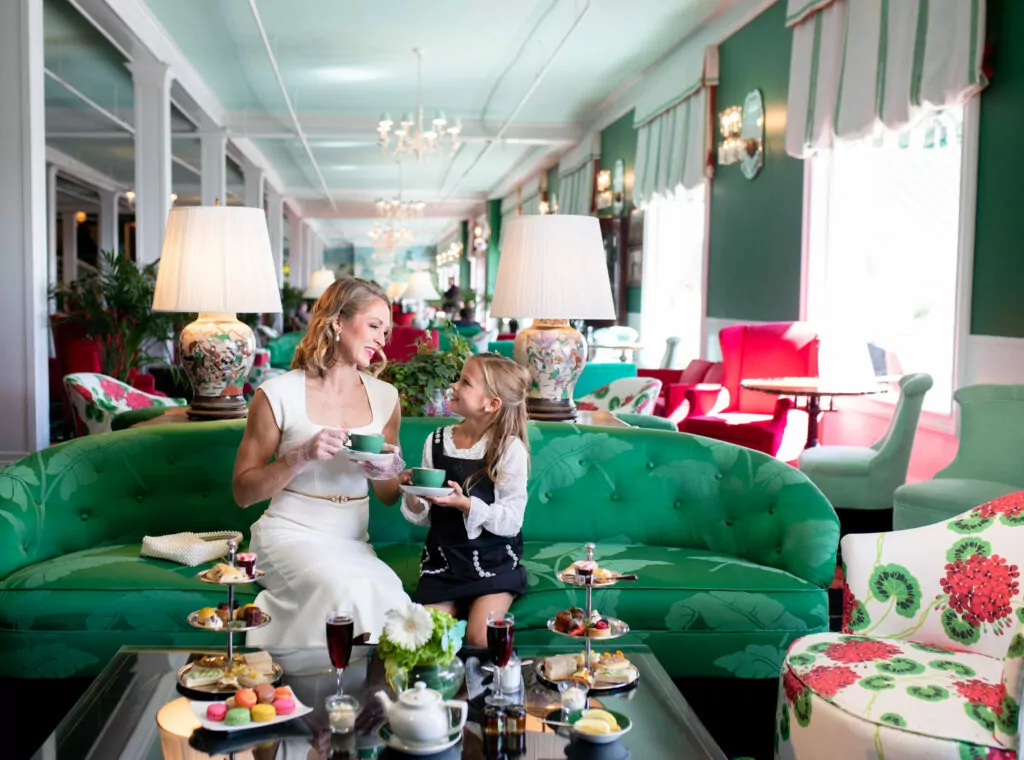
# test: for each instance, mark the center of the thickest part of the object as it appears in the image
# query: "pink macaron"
(284, 706)
(216, 711)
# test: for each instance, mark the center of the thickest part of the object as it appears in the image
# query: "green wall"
(464, 271)
(618, 140)
(493, 251)
(998, 263)
(755, 230)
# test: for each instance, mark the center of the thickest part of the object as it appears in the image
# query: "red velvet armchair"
(699, 374)
(402, 344)
(752, 419)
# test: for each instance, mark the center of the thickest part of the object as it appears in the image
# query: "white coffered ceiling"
(343, 63)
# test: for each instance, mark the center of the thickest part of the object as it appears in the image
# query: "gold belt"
(335, 499)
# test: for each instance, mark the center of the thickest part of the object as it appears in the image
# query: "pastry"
(263, 713)
(559, 667)
(284, 705)
(600, 629)
(204, 615)
(264, 693)
(228, 681)
(245, 698)
(240, 612)
(214, 661)
(584, 567)
(216, 711)
(202, 676)
(261, 661)
(224, 573)
(570, 621)
(614, 669)
(239, 716)
(249, 676)
(214, 623)
(253, 615)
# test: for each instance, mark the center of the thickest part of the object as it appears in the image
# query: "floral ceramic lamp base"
(555, 353)
(217, 352)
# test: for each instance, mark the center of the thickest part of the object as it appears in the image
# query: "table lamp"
(553, 269)
(216, 261)
(420, 289)
(319, 282)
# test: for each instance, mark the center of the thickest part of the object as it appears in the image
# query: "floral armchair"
(637, 395)
(96, 399)
(930, 660)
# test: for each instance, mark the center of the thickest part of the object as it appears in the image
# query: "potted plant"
(420, 644)
(422, 381)
(115, 305)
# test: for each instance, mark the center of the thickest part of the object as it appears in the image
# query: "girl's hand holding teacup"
(455, 499)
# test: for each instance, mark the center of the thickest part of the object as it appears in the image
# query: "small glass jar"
(341, 713)
(515, 730)
(572, 695)
(493, 728)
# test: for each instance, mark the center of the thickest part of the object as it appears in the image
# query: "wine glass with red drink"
(500, 632)
(340, 631)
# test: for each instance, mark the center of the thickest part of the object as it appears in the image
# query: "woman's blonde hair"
(346, 298)
(509, 382)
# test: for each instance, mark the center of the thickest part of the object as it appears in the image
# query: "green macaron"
(237, 716)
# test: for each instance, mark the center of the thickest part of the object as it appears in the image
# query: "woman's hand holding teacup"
(320, 448)
(387, 469)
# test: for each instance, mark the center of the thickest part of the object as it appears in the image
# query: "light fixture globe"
(216, 261)
(552, 268)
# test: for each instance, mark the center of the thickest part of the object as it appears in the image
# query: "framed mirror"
(752, 134)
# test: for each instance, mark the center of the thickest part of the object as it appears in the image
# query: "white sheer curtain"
(673, 275)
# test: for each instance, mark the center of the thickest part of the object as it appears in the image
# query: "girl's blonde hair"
(509, 382)
(346, 297)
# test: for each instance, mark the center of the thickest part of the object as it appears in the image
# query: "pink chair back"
(402, 344)
(773, 349)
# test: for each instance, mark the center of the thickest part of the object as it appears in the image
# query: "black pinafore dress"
(453, 566)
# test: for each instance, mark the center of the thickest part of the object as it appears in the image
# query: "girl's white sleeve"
(419, 518)
(505, 516)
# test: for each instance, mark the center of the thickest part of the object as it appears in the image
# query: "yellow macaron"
(263, 713)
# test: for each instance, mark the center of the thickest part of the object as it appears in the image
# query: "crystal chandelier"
(411, 135)
(389, 237)
(396, 208)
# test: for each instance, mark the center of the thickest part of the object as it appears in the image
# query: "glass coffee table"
(133, 711)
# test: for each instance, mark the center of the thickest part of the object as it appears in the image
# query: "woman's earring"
(337, 337)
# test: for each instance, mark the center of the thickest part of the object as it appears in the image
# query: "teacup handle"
(462, 707)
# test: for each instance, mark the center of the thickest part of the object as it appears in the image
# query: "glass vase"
(446, 679)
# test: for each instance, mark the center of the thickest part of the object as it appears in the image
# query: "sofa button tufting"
(84, 516)
(771, 510)
(650, 465)
(170, 459)
(99, 470)
(778, 550)
(138, 499)
(547, 497)
(614, 496)
(206, 494)
(718, 476)
(677, 504)
(728, 523)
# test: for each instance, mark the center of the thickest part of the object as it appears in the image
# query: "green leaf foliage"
(968, 547)
(959, 630)
(894, 581)
(428, 372)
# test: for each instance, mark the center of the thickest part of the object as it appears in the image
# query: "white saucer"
(199, 708)
(395, 743)
(427, 492)
(365, 456)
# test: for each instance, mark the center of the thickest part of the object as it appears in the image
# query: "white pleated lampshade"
(395, 290)
(320, 280)
(216, 259)
(421, 288)
(553, 267)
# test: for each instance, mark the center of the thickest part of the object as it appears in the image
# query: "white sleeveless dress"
(314, 551)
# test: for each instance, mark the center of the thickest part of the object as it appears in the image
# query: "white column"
(51, 229)
(152, 80)
(69, 246)
(294, 246)
(253, 184)
(24, 393)
(213, 165)
(110, 230)
(275, 226)
(300, 256)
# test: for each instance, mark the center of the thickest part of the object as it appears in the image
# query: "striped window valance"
(531, 193)
(576, 177)
(858, 66)
(673, 144)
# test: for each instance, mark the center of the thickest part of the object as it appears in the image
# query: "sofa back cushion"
(282, 349)
(771, 349)
(586, 484)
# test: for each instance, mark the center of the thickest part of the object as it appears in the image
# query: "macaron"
(263, 713)
(283, 692)
(264, 693)
(284, 705)
(237, 717)
(216, 711)
(245, 698)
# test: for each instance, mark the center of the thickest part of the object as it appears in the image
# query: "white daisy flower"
(409, 626)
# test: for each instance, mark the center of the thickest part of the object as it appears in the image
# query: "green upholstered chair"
(283, 349)
(861, 479)
(600, 374)
(502, 347)
(647, 421)
(987, 464)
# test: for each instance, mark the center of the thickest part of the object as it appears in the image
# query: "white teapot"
(421, 716)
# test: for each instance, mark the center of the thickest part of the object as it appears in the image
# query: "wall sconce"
(544, 207)
(730, 124)
(129, 195)
(80, 217)
(604, 180)
(604, 197)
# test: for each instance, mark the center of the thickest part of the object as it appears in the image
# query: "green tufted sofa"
(734, 549)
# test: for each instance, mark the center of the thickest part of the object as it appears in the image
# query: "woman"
(312, 541)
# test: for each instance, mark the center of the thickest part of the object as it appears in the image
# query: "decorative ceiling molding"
(75, 168)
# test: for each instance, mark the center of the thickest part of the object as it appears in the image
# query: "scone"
(559, 667)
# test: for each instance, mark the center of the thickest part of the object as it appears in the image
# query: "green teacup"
(366, 442)
(427, 478)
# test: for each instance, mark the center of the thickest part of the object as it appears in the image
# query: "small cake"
(216, 711)
(284, 705)
(245, 698)
(214, 623)
(263, 713)
(238, 716)
(204, 615)
(240, 612)
(600, 629)
(283, 692)
(252, 615)
(264, 693)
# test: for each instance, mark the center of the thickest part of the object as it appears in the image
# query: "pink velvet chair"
(402, 344)
(671, 403)
(758, 420)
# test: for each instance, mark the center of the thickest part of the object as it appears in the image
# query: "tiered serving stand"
(617, 627)
(193, 619)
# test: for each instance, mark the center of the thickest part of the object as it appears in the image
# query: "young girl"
(470, 563)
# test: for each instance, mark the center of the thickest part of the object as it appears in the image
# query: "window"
(883, 251)
(672, 302)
